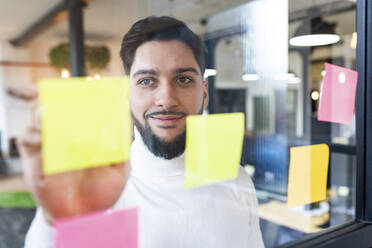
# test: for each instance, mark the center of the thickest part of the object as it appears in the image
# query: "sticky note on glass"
(84, 123)
(308, 172)
(111, 228)
(213, 148)
(337, 97)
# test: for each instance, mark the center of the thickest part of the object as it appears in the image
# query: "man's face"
(166, 85)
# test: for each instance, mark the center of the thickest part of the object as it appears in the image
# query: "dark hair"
(160, 29)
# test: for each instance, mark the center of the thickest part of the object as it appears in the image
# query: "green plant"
(60, 56)
(96, 57)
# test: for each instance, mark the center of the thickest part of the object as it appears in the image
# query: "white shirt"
(221, 215)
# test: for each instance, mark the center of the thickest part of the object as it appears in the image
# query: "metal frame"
(40, 25)
(364, 139)
(76, 29)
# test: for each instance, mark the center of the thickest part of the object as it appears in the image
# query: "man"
(165, 62)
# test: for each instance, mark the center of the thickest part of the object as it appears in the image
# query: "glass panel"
(281, 104)
(342, 188)
(259, 71)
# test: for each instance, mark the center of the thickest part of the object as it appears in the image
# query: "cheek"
(138, 105)
(193, 101)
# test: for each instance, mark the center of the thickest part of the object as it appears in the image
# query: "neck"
(145, 163)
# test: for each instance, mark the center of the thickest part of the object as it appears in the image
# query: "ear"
(205, 94)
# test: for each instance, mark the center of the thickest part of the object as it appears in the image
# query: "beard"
(158, 146)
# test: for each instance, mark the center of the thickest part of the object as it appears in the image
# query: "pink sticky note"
(111, 228)
(337, 97)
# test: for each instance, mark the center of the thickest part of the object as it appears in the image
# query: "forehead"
(163, 56)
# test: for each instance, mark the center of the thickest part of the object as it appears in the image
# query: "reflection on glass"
(280, 84)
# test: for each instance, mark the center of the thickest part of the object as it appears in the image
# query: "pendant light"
(315, 32)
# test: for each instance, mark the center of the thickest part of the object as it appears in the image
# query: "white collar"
(145, 163)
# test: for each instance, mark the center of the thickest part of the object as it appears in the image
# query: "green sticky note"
(213, 148)
(84, 123)
(308, 170)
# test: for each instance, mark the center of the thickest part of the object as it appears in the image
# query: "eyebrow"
(145, 72)
(187, 69)
(176, 71)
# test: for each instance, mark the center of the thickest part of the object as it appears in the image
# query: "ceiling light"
(250, 77)
(289, 77)
(315, 32)
(315, 95)
(210, 72)
(343, 191)
(314, 40)
(65, 73)
(295, 80)
(284, 76)
(353, 42)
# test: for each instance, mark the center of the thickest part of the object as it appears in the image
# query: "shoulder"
(243, 189)
(244, 181)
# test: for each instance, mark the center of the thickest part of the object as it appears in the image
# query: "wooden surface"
(277, 212)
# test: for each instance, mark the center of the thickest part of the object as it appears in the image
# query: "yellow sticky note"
(308, 172)
(213, 148)
(84, 123)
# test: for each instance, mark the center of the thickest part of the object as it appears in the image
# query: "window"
(282, 86)
(260, 71)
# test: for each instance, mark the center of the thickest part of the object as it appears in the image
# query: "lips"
(167, 119)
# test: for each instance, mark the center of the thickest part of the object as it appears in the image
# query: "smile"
(167, 120)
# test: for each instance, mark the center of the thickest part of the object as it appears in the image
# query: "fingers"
(36, 115)
(30, 141)
(29, 145)
(123, 168)
(119, 165)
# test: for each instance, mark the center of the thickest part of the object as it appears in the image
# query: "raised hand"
(70, 193)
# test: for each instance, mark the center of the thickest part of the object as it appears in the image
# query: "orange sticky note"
(337, 99)
(84, 123)
(213, 148)
(308, 170)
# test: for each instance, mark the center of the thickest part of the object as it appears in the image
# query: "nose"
(166, 96)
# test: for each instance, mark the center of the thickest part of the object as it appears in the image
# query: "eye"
(183, 80)
(146, 82)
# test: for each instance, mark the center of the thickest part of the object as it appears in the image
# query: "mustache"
(180, 114)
